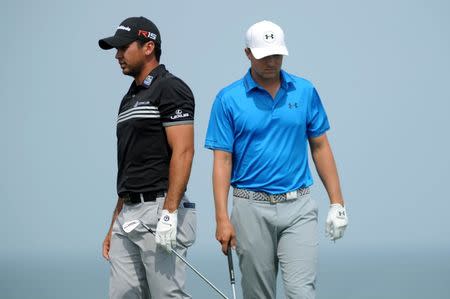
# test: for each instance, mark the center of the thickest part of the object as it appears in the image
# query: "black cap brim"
(114, 42)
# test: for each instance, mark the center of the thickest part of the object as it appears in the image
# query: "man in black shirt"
(155, 147)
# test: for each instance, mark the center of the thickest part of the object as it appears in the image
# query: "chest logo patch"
(293, 105)
(147, 81)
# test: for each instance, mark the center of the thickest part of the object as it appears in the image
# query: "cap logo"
(121, 27)
(147, 34)
(269, 37)
(143, 33)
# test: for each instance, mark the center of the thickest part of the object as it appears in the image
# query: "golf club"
(129, 226)
(231, 270)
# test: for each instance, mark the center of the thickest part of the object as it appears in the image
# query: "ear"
(248, 52)
(149, 48)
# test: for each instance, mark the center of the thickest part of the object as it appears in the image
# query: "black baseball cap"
(131, 29)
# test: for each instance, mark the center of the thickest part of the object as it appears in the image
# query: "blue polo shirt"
(267, 137)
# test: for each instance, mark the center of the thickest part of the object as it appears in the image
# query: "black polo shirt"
(143, 154)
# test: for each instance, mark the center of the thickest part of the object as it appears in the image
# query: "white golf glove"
(336, 222)
(166, 230)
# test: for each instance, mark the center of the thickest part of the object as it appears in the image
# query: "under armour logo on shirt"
(293, 105)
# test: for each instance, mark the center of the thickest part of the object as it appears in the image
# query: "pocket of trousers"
(315, 205)
(187, 227)
(146, 212)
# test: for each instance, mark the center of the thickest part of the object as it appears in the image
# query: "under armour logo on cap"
(269, 37)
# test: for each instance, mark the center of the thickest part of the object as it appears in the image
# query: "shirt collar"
(286, 80)
(149, 79)
(250, 84)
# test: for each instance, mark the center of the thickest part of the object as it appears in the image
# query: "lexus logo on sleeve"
(179, 114)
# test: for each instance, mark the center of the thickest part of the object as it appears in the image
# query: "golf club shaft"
(189, 265)
(234, 291)
(199, 274)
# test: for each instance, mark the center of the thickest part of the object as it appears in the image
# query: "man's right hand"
(226, 235)
(106, 246)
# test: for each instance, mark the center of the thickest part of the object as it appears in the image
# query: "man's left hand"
(166, 230)
(336, 222)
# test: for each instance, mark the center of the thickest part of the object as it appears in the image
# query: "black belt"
(133, 197)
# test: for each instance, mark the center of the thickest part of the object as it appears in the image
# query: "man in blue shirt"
(259, 129)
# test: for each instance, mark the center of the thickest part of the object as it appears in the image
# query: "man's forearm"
(179, 172)
(116, 213)
(326, 168)
(221, 183)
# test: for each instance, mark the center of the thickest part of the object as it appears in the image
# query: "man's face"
(268, 67)
(131, 58)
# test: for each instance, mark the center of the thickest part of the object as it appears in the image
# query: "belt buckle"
(291, 195)
(277, 198)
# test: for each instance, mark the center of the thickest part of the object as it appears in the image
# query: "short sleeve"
(317, 121)
(219, 135)
(177, 103)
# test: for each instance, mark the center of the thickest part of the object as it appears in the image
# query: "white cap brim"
(259, 53)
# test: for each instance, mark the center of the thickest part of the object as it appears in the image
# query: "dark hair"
(157, 47)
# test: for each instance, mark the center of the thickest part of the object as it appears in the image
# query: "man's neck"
(271, 85)
(145, 71)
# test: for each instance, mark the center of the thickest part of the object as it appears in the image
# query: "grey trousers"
(139, 268)
(271, 235)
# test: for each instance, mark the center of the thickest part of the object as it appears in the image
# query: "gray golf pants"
(139, 268)
(276, 234)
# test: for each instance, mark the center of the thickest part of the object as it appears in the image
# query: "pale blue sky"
(382, 69)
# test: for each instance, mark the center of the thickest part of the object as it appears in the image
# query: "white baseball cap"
(264, 39)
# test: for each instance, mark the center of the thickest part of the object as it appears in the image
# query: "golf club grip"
(230, 264)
